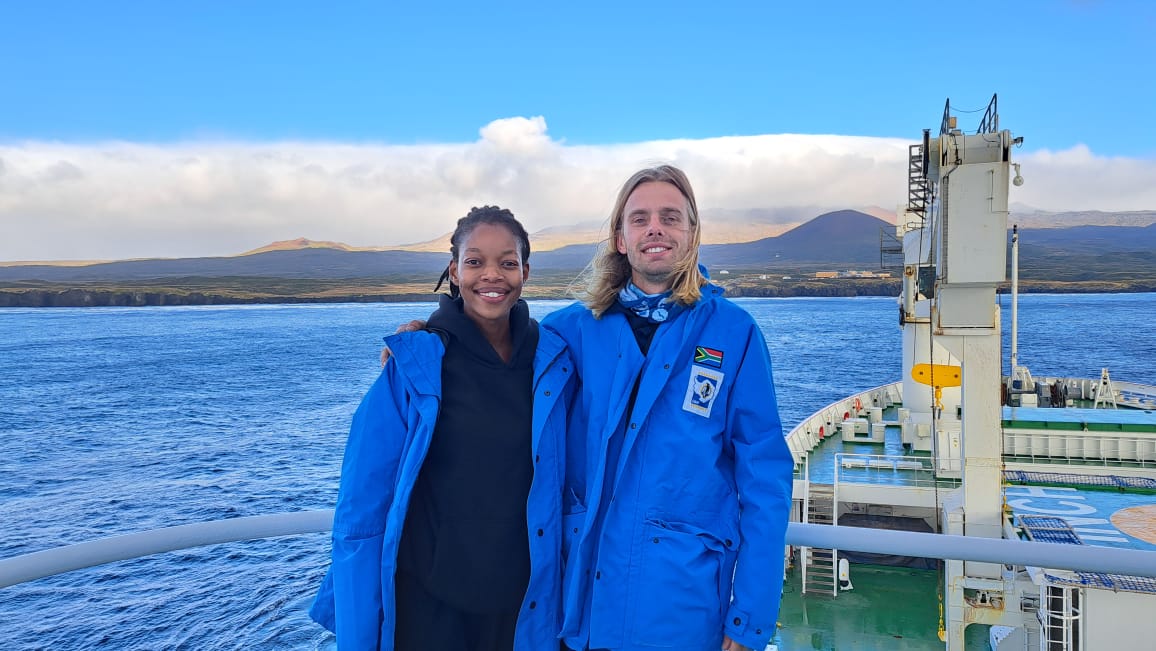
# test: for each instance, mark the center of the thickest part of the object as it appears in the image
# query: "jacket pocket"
(679, 597)
(573, 586)
(572, 524)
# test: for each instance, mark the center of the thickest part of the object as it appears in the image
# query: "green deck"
(822, 459)
(1073, 419)
(855, 621)
(896, 608)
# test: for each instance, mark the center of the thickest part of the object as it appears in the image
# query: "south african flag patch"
(708, 356)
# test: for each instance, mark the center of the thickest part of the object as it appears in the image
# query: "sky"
(173, 129)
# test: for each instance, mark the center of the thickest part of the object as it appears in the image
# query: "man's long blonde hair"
(609, 271)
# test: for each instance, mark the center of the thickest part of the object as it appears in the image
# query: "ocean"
(117, 420)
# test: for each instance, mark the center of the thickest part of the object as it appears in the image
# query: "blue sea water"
(116, 420)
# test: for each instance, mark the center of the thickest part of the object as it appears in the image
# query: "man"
(679, 476)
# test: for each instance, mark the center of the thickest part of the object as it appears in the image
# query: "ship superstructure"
(957, 447)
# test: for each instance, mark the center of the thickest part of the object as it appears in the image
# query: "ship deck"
(890, 463)
(1123, 518)
(890, 608)
(854, 620)
(1101, 500)
(1137, 421)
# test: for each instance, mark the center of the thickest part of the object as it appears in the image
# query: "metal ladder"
(819, 565)
(918, 187)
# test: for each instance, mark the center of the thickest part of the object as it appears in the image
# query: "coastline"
(384, 292)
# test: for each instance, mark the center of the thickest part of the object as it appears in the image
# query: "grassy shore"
(240, 290)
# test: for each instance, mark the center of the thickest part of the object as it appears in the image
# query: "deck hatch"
(1045, 528)
(1115, 582)
(1073, 479)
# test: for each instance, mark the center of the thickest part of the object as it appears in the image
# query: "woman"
(447, 529)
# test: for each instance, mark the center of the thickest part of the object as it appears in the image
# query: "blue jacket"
(682, 540)
(387, 443)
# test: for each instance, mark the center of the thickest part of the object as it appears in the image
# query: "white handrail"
(58, 560)
(1084, 558)
(1128, 562)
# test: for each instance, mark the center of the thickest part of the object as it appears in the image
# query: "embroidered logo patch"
(708, 356)
(701, 391)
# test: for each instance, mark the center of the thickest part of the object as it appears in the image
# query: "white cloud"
(1077, 179)
(119, 200)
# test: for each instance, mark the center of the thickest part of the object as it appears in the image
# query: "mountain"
(888, 216)
(436, 245)
(719, 227)
(1028, 217)
(297, 263)
(1088, 240)
(302, 243)
(575, 256)
(735, 226)
(841, 239)
(554, 238)
(844, 236)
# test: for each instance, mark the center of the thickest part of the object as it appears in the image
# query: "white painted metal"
(1087, 558)
(969, 222)
(804, 550)
(1105, 392)
(955, 321)
(982, 444)
(36, 565)
(1015, 297)
(973, 181)
(1059, 615)
(805, 436)
(918, 399)
(1103, 610)
(835, 525)
(1106, 449)
(58, 560)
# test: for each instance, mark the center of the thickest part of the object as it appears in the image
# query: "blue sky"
(600, 72)
(84, 82)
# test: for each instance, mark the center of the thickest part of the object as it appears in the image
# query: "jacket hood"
(451, 320)
(710, 291)
(417, 361)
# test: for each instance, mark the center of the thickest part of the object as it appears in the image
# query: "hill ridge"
(839, 239)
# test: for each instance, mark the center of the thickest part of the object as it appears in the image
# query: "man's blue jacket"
(387, 444)
(677, 511)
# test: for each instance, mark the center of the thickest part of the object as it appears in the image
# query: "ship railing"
(881, 469)
(1080, 448)
(1131, 394)
(825, 422)
(945, 123)
(990, 121)
(1128, 394)
(1086, 558)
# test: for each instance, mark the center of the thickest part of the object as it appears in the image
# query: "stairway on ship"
(819, 565)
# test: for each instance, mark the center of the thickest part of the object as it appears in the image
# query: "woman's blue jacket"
(387, 443)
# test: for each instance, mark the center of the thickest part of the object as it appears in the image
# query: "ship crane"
(955, 258)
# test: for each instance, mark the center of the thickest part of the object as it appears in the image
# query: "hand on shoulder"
(730, 645)
(412, 326)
